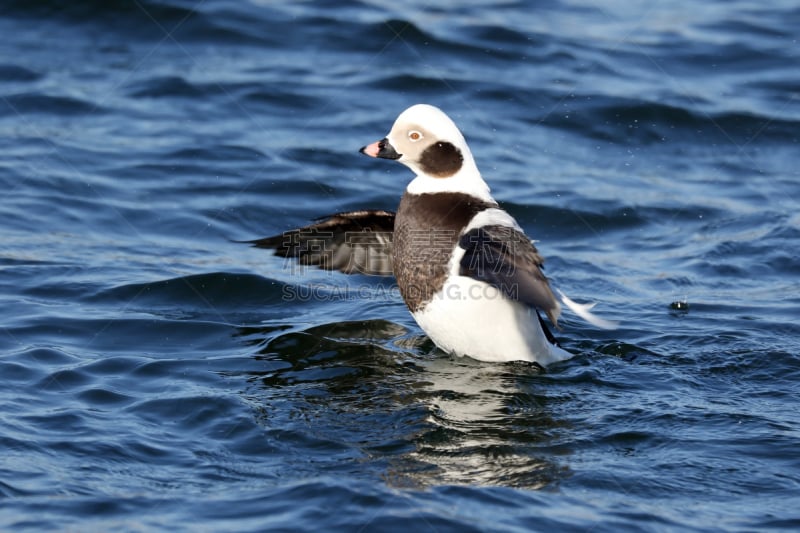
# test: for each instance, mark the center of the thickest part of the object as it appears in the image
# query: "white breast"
(470, 317)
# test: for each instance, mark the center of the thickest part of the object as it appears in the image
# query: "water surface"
(156, 375)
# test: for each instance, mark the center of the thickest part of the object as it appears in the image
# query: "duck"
(470, 277)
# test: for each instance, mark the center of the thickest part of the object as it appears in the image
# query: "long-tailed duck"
(469, 275)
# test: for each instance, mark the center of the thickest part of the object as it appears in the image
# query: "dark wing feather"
(506, 259)
(356, 241)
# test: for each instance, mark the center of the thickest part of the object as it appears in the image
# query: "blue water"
(156, 375)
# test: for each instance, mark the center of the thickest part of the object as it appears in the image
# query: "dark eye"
(414, 135)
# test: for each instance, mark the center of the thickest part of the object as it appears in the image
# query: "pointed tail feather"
(584, 311)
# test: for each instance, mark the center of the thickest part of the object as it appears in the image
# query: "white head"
(425, 140)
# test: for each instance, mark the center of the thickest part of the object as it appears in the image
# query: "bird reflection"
(388, 401)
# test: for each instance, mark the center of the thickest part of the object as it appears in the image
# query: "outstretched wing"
(356, 241)
(505, 258)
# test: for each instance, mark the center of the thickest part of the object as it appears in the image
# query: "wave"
(24, 103)
(16, 73)
(645, 122)
(152, 19)
(223, 290)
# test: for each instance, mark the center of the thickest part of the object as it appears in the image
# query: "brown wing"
(355, 241)
(505, 258)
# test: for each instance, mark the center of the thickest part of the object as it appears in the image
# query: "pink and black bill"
(381, 149)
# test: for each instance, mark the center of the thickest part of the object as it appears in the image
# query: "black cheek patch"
(441, 159)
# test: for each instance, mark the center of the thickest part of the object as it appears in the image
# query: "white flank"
(583, 311)
(492, 217)
(472, 318)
